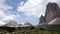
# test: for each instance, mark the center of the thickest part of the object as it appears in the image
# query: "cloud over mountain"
(34, 7)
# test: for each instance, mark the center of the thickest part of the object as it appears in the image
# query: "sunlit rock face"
(52, 12)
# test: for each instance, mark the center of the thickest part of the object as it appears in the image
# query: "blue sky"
(23, 10)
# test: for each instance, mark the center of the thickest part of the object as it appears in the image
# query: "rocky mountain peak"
(52, 7)
(42, 19)
(52, 12)
(12, 23)
(27, 23)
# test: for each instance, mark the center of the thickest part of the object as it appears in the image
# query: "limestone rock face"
(52, 12)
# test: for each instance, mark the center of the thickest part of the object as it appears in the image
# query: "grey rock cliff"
(52, 12)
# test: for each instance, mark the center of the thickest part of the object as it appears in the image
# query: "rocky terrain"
(55, 21)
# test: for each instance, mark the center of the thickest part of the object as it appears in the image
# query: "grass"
(36, 30)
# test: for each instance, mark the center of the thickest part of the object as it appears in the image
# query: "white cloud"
(53, 0)
(6, 17)
(4, 7)
(2, 13)
(22, 3)
(34, 7)
(2, 23)
(2, 1)
(10, 17)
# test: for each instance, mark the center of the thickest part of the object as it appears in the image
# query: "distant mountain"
(12, 23)
(27, 24)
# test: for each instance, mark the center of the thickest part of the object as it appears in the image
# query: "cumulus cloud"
(4, 7)
(34, 7)
(2, 23)
(2, 1)
(10, 17)
(2, 13)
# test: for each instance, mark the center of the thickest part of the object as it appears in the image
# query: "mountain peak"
(52, 7)
(12, 23)
(52, 12)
